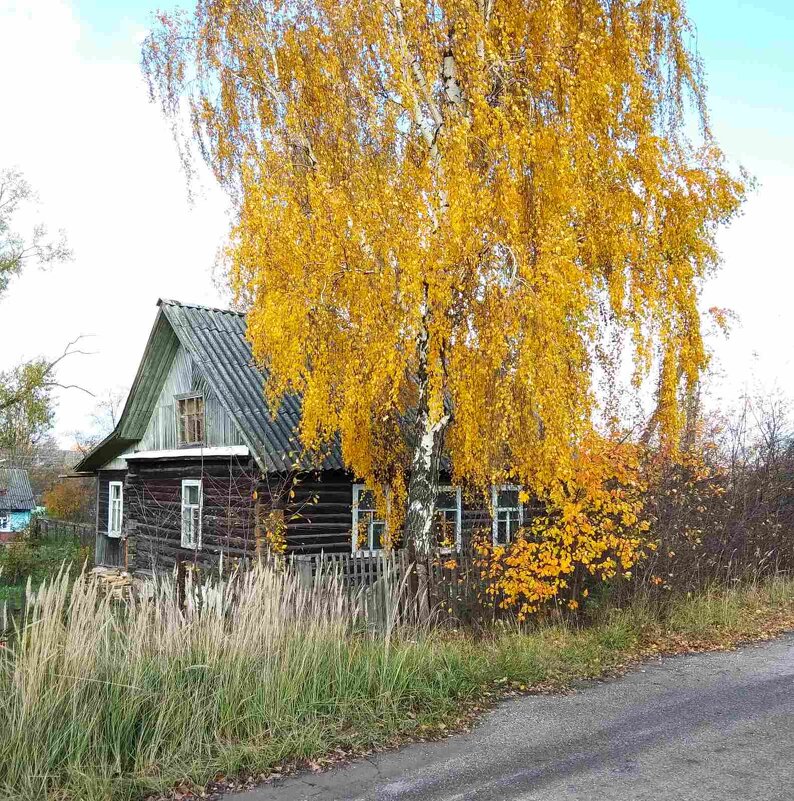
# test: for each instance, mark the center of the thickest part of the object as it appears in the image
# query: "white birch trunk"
(428, 439)
(423, 485)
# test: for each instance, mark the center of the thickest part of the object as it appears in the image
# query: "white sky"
(104, 164)
(77, 121)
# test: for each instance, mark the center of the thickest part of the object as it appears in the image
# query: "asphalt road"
(711, 726)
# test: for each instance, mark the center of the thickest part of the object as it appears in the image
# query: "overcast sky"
(75, 118)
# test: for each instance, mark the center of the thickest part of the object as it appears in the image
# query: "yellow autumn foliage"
(448, 200)
(591, 528)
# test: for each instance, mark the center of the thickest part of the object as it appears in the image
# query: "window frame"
(185, 542)
(357, 490)
(459, 515)
(495, 490)
(111, 532)
(186, 396)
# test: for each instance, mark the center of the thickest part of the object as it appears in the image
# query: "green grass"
(37, 561)
(12, 594)
(114, 702)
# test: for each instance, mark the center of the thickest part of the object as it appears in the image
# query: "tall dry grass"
(101, 699)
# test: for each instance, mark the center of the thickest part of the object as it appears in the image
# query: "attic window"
(190, 419)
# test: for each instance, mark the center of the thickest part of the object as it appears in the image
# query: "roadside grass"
(101, 701)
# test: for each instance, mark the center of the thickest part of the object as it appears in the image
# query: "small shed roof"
(16, 494)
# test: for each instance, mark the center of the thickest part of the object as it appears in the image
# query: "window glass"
(191, 514)
(369, 530)
(190, 420)
(446, 521)
(508, 514)
(115, 508)
(508, 498)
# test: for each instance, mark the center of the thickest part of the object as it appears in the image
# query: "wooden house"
(16, 501)
(198, 466)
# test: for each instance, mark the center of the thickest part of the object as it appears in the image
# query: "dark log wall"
(153, 501)
(317, 511)
(319, 516)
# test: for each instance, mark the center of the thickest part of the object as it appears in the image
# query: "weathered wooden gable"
(185, 377)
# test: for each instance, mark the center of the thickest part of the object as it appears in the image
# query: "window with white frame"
(191, 514)
(508, 513)
(115, 508)
(368, 528)
(5, 522)
(190, 419)
(447, 518)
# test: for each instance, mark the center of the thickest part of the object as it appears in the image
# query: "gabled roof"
(16, 494)
(215, 339)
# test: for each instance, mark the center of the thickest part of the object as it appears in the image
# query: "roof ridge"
(171, 302)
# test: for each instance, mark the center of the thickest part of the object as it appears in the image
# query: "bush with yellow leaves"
(590, 528)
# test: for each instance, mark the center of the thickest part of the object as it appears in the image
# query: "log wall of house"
(320, 516)
(326, 524)
(153, 503)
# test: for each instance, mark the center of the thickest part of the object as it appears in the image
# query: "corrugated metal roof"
(215, 339)
(16, 494)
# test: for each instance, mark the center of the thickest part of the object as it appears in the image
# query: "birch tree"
(438, 207)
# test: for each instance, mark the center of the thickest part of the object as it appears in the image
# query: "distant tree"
(104, 419)
(18, 249)
(26, 404)
(69, 499)
(441, 204)
(26, 409)
(45, 460)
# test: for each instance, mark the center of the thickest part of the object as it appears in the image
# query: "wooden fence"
(442, 588)
(108, 551)
(48, 527)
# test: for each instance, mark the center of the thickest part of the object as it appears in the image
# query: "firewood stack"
(116, 582)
